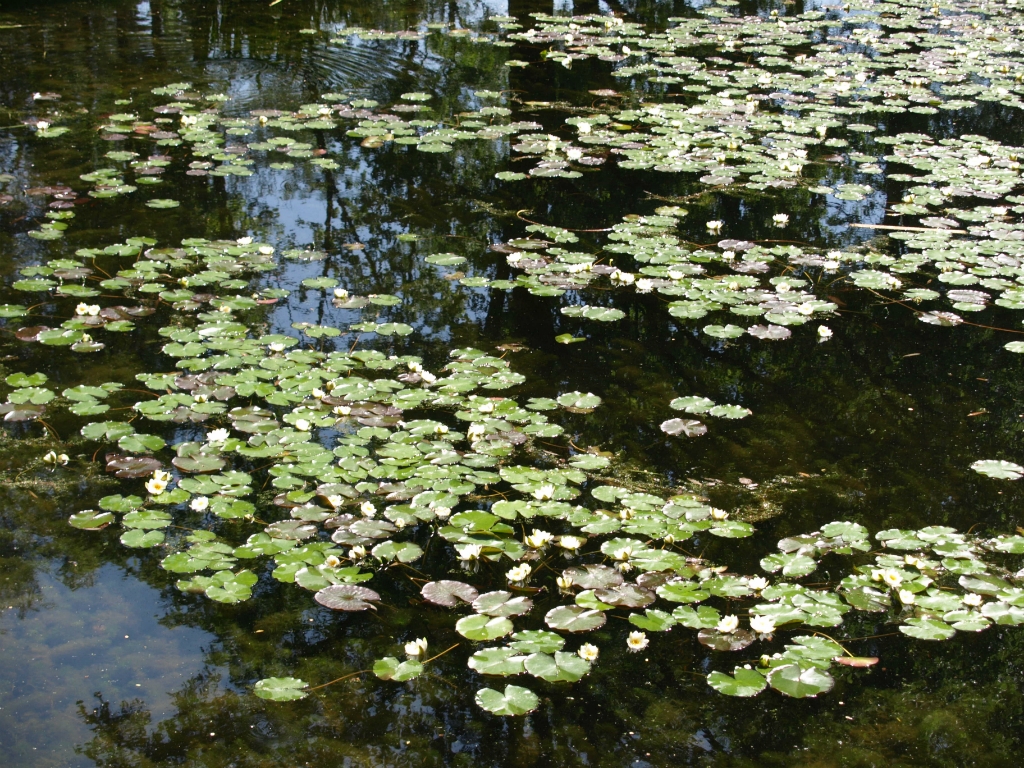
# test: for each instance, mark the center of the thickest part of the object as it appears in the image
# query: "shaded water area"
(215, 129)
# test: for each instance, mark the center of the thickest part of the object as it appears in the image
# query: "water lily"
(440, 429)
(637, 641)
(162, 476)
(266, 250)
(728, 624)
(571, 543)
(357, 552)
(519, 573)
(42, 125)
(973, 599)
(564, 583)
(368, 509)
(302, 425)
(335, 500)
(332, 561)
(763, 625)
(574, 153)
(780, 219)
(428, 377)
(719, 514)
(714, 226)
(341, 410)
(889, 577)
(486, 407)
(244, 241)
(625, 278)
(475, 432)
(416, 647)
(53, 458)
(906, 597)
(623, 554)
(824, 333)
(156, 486)
(218, 436)
(470, 552)
(87, 309)
(644, 285)
(583, 127)
(539, 539)
(442, 512)
(544, 493)
(757, 583)
(199, 503)
(588, 652)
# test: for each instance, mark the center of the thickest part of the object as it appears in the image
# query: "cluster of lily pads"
(375, 459)
(362, 486)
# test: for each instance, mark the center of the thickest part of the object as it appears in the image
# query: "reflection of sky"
(106, 639)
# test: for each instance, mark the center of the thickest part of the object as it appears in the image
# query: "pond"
(503, 383)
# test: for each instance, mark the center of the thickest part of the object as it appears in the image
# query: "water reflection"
(66, 649)
(873, 426)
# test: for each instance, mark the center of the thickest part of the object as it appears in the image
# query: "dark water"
(106, 663)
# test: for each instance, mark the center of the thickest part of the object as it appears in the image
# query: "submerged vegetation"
(313, 417)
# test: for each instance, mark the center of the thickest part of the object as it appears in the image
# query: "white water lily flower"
(470, 552)
(544, 493)
(318, 393)
(340, 293)
(763, 625)
(413, 366)
(357, 552)
(335, 500)
(442, 512)
(368, 509)
(539, 539)
(276, 347)
(199, 503)
(267, 250)
(244, 241)
(891, 578)
(440, 429)
(571, 543)
(564, 583)
(416, 647)
(714, 226)
(218, 436)
(341, 410)
(583, 127)
(728, 624)
(155, 486)
(588, 652)
(824, 333)
(475, 432)
(332, 561)
(53, 458)
(623, 554)
(906, 597)
(644, 285)
(162, 476)
(637, 641)
(520, 572)
(780, 219)
(574, 153)
(42, 125)
(486, 407)
(719, 514)
(626, 278)
(757, 583)
(973, 599)
(302, 425)
(428, 377)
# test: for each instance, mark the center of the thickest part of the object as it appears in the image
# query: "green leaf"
(497, 661)
(800, 682)
(514, 700)
(389, 668)
(744, 682)
(927, 629)
(479, 627)
(561, 667)
(281, 688)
